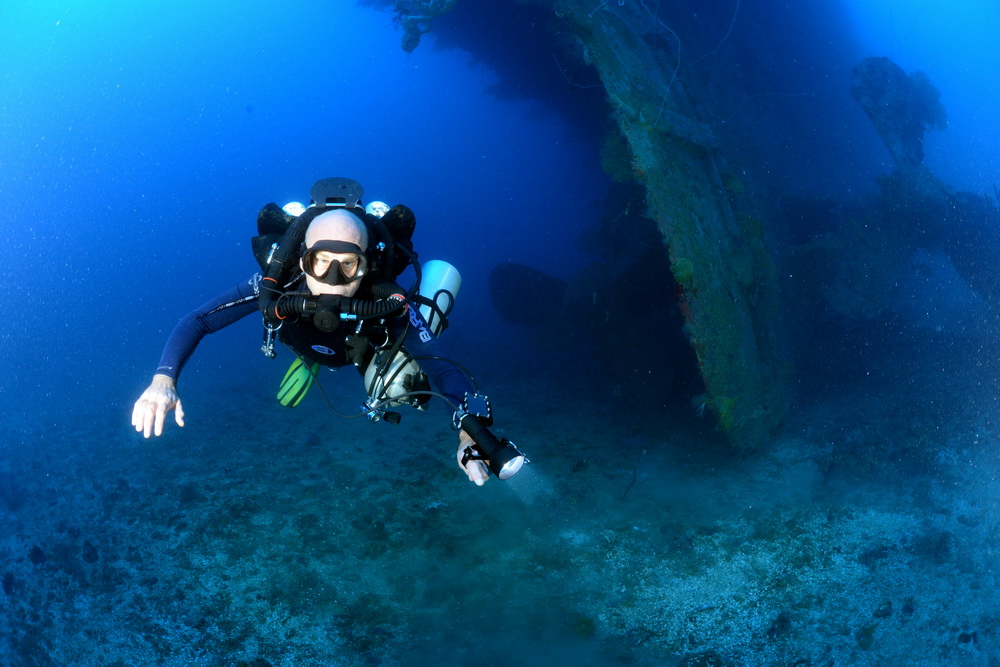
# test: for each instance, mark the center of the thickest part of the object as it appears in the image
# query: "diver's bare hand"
(476, 471)
(152, 407)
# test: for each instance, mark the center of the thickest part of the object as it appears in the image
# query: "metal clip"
(268, 346)
(372, 408)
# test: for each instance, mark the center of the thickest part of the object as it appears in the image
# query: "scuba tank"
(439, 286)
(391, 381)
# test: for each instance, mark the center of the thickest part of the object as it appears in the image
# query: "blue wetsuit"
(326, 348)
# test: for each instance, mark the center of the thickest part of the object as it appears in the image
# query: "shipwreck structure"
(852, 270)
(711, 223)
(710, 213)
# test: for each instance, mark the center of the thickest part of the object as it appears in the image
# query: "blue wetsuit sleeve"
(217, 314)
(444, 375)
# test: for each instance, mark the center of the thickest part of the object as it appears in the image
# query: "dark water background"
(138, 141)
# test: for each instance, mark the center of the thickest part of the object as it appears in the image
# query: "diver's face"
(344, 264)
(323, 262)
(332, 272)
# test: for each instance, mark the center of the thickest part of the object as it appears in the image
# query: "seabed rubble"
(647, 547)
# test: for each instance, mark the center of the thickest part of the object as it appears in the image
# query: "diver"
(327, 291)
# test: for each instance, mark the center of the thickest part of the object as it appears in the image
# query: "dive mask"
(351, 266)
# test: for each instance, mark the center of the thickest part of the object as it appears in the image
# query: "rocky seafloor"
(868, 533)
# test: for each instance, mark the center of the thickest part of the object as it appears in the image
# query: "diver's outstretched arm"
(161, 396)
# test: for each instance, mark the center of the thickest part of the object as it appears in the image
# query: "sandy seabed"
(867, 533)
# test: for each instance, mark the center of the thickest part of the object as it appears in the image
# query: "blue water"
(139, 140)
(158, 132)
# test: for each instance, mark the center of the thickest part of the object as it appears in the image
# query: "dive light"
(501, 456)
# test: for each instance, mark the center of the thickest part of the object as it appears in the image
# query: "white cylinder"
(440, 283)
(395, 381)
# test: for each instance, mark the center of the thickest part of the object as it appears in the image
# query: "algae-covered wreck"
(713, 226)
(706, 205)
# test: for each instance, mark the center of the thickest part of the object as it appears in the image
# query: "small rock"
(869, 557)
(780, 626)
(865, 636)
(935, 545)
(36, 555)
(89, 552)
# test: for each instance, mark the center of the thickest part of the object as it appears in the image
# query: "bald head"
(337, 225)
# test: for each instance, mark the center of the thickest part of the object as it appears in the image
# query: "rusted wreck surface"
(702, 207)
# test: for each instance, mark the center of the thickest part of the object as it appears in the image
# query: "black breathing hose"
(389, 299)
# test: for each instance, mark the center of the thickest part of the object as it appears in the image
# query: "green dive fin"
(297, 381)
